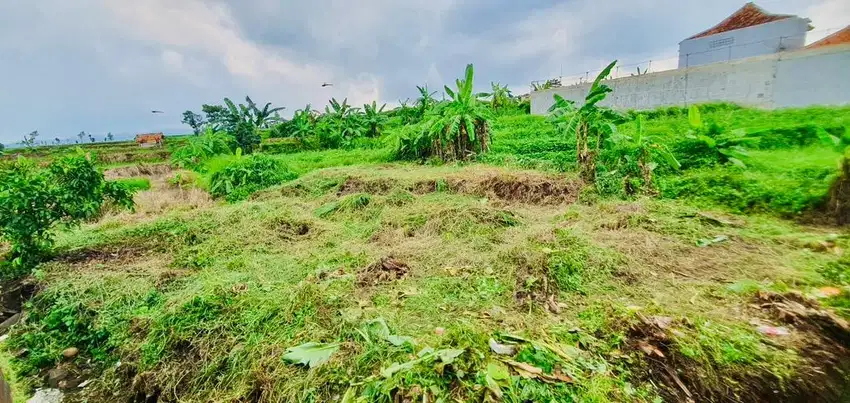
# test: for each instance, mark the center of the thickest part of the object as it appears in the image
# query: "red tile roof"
(840, 37)
(747, 16)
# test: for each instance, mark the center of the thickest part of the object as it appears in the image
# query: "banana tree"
(425, 101)
(263, 117)
(590, 124)
(459, 128)
(644, 151)
(727, 147)
(374, 118)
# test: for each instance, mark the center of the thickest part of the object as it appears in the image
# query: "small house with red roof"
(750, 31)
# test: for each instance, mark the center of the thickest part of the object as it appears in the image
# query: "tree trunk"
(585, 157)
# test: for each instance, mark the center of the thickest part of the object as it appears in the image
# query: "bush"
(239, 178)
(201, 148)
(33, 201)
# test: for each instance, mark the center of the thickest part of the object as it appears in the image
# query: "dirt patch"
(531, 189)
(102, 255)
(137, 170)
(523, 188)
(385, 270)
(287, 229)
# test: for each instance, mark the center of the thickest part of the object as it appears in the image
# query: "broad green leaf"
(311, 354)
(694, 118)
(602, 75)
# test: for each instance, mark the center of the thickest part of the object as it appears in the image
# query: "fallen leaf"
(311, 354)
(525, 370)
(502, 349)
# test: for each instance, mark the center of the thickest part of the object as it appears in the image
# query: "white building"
(750, 31)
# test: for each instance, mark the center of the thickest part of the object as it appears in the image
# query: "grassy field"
(503, 279)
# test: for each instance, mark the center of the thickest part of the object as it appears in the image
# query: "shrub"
(198, 149)
(243, 176)
(33, 201)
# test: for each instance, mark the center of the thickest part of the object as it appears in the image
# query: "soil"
(522, 188)
(385, 270)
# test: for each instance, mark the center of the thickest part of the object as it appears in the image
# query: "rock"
(46, 396)
(68, 384)
(56, 375)
(4, 327)
(70, 352)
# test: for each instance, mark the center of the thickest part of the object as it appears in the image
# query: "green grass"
(135, 184)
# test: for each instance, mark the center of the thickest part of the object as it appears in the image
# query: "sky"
(102, 65)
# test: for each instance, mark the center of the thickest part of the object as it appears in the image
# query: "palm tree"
(459, 128)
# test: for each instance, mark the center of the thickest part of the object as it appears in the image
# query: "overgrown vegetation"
(34, 200)
(547, 264)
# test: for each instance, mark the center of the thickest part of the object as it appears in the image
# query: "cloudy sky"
(103, 65)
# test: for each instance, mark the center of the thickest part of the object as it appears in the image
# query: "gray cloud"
(102, 65)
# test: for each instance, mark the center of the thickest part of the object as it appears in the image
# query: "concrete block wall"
(819, 76)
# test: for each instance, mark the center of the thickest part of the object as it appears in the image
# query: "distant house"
(750, 31)
(839, 38)
(150, 139)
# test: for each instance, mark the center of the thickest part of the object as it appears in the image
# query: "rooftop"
(840, 37)
(747, 16)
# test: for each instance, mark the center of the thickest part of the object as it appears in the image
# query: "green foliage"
(374, 118)
(635, 158)
(246, 136)
(590, 124)
(134, 184)
(340, 125)
(454, 130)
(302, 125)
(705, 145)
(240, 177)
(196, 150)
(311, 354)
(32, 201)
(56, 321)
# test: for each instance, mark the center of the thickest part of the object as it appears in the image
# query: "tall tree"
(194, 120)
(29, 139)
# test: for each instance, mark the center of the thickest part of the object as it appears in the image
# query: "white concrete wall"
(819, 76)
(764, 39)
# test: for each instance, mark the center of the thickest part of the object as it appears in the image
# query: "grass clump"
(240, 177)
